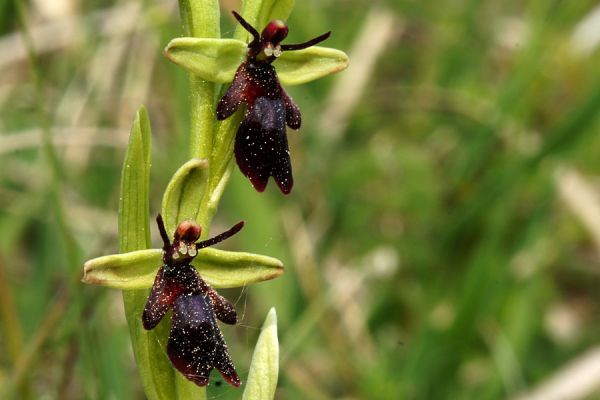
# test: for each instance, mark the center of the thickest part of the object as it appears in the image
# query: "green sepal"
(301, 66)
(228, 269)
(217, 60)
(264, 368)
(219, 268)
(128, 271)
(214, 60)
(184, 192)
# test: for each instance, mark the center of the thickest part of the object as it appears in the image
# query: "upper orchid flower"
(261, 147)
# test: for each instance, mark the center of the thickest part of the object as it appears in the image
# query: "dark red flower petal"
(234, 96)
(161, 298)
(224, 310)
(292, 111)
(221, 236)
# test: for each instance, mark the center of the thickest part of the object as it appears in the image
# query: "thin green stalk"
(73, 254)
(32, 350)
(221, 161)
(201, 19)
(11, 326)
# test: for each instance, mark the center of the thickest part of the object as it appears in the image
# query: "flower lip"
(274, 32)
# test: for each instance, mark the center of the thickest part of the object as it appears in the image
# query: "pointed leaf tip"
(135, 182)
(264, 369)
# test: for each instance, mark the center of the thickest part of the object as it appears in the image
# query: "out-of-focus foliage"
(442, 238)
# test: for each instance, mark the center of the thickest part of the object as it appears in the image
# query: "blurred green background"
(442, 240)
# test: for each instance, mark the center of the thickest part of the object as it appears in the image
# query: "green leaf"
(298, 67)
(156, 372)
(184, 193)
(213, 60)
(220, 268)
(135, 181)
(264, 369)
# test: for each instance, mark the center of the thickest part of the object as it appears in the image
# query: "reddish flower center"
(274, 32)
(188, 232)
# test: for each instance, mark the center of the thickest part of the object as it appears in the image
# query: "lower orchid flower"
(196, 344)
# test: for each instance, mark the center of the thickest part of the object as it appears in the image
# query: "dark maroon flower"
(261, 148)
(196, 344)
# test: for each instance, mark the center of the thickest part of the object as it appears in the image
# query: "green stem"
(200, 18)
(201, 133)
(221, 162)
